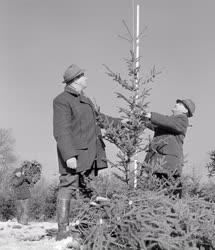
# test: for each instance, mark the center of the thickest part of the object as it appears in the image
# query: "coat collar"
(71, 91)
(82, 97)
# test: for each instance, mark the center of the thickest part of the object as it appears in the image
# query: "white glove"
(72, 163)
(18, 174)
(148, 115)
(125, 120)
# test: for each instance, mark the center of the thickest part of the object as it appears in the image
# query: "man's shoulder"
(61, 97)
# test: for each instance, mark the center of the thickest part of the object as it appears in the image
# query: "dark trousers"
(72, 184)
(22, 210)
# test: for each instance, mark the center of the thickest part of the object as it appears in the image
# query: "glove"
(148, 115)
(72, 163)
(18, 174)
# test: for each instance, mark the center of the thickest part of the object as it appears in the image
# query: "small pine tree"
(211, 165)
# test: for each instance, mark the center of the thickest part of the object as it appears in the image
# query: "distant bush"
(192, 187)
(51, 202)
(208, 192)
(7, 207)
(43, 200)
(42, 204)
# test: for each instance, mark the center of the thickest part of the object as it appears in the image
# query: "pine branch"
(119, 95)
(126, 26)
(116, 77)
(211, 165)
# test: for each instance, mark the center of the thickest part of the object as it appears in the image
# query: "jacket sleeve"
(175, 124)
(17, 181)
(150, 126)
(62, 125)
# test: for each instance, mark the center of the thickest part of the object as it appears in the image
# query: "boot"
(24, 217)
(19, 210)
(63, 208)
(22, 211)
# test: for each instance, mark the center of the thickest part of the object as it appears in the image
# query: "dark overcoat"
(21, 185)
(167, 143)
(76, 132)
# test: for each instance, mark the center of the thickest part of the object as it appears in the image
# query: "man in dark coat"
(80, 148)
(167, 144)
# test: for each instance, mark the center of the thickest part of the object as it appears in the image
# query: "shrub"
(43, 201)
(51, 202)
(138, 219)
(7, 207)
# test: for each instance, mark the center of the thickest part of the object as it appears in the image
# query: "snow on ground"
(14, 236)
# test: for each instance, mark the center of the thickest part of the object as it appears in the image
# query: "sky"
(41, 38)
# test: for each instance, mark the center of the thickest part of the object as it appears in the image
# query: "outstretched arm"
(176, 124)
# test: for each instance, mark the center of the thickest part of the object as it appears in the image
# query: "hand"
(71, 163)
(18, 174)
(148, 115)
(125, 120)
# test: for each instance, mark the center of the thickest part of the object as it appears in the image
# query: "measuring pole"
(136, 80)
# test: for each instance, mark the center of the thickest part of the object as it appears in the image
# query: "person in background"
(22, 180)
(167, 143)
(21, 187)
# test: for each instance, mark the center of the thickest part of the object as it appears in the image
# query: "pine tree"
(128, 137)
(211, 165)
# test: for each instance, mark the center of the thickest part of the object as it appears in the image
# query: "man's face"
(82, 83)
(179, 108)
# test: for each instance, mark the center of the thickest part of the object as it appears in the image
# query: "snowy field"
(14, 236)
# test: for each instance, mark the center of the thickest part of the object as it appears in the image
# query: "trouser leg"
(71, 185)
(25, 212)
(22, 211)
(19, 210)
(85, 179)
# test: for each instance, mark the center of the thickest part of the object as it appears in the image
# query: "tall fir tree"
(128, 136)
